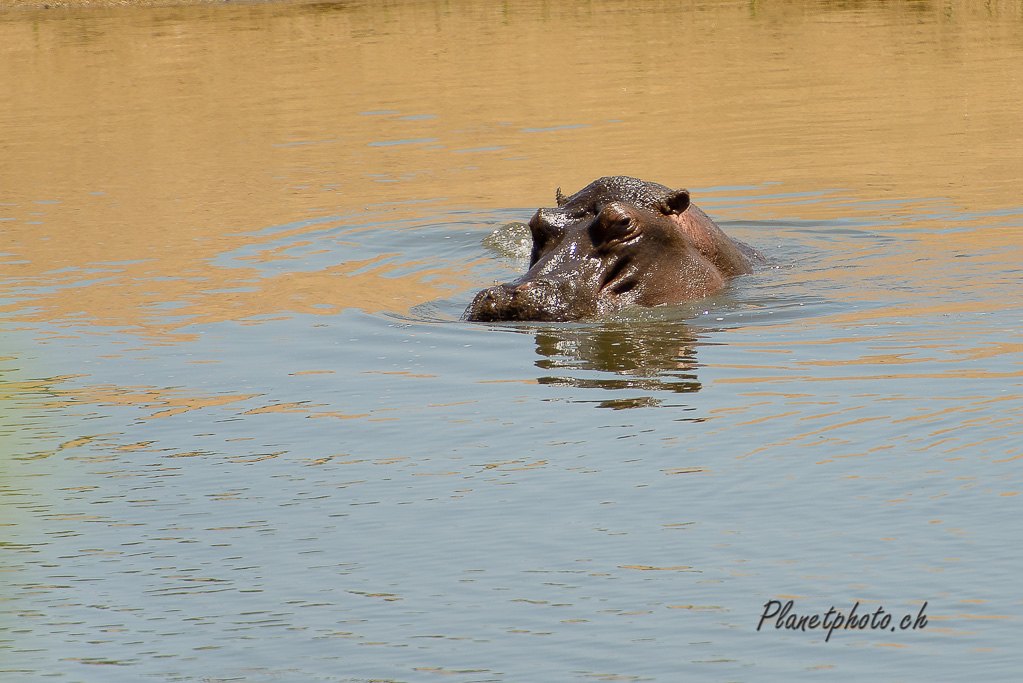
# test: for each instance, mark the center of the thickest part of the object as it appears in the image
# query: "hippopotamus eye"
(613, 226)
(546, 225)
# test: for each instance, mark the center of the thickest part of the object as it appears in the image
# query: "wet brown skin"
(616, 243)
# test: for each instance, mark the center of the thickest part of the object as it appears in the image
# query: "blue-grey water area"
(247, 437)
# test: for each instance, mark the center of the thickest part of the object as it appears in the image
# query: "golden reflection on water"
(160, 136)
(832, 430)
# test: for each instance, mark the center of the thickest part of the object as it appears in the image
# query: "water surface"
(247, 437)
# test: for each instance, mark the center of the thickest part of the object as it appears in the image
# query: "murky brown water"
(147, 129)
(246, 438)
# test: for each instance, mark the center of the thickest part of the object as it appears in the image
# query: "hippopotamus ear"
(675, 203)
(560, 198)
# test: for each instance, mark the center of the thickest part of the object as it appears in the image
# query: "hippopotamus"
(616, 243)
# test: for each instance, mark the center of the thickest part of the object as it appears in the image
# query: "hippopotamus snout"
(535, 299)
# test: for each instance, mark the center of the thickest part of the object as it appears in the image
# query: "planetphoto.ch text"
(833, 620)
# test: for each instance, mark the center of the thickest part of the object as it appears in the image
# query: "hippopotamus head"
(618, 242)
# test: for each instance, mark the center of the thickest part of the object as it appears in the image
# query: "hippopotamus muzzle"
(539, 299)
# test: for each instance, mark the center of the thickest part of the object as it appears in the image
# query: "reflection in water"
(645, 357)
